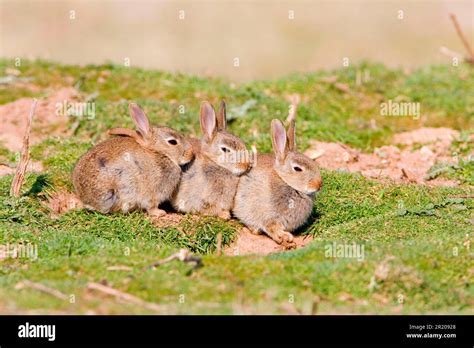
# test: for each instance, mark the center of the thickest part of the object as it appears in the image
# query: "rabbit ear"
(222, 117)
(292, 136)
(208, 121)
(140, 119)
(127, 132)
(280, 147)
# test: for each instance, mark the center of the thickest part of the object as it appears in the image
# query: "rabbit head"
(164, 140)
(294, 168)
(223, 148)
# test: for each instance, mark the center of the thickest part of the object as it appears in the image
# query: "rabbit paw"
(287, 243)
(279, 235)
(286, 237)
(156, 213)
(255, 231)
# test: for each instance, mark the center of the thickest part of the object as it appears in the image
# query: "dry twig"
(446, 51)
(466, 44)
(182, 255)
(40, 287)
(124, 296)
(463, 196)
(295, 100)
(119, 268)
(25, 155)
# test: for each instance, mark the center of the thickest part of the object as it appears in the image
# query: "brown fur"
(273, 197)
(138, 170)
(209, 183)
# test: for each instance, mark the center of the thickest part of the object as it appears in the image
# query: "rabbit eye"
(172, 142)
(297, 169)
(225, 149)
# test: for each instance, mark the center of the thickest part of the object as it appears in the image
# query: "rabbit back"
(120, 175)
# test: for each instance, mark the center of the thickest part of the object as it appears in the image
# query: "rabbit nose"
(188, 155)
(244, 166)
(316, 184)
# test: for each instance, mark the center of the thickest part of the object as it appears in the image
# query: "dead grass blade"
(25, 155)
(40, 287)
(125, 296)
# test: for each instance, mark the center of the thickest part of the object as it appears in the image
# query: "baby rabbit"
(209, 183)
(137, 170)
(277, 195)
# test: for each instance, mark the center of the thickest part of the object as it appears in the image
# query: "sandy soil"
(46, 121)
(249, 243)
(419, 150)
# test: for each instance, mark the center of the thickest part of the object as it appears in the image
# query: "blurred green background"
(204, 37)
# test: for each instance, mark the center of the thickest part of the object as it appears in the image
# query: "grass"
(419, 235)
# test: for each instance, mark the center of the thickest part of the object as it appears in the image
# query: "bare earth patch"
(46, 122)
(409, 164)
(248, 243)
